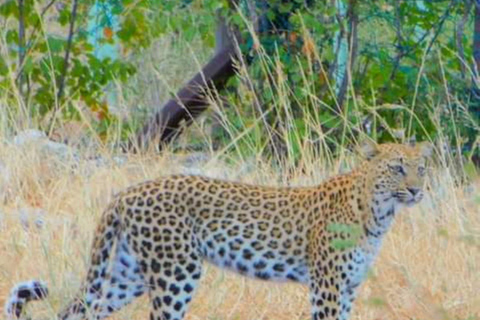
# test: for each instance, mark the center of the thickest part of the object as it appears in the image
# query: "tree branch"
(352, 17)
(341, 34)
(61, 81)
(476, 40)
(189, 102)
(439, 28)
(36, 28)
(400, 49)
(21, 44)
(460, 29)
(403, 53)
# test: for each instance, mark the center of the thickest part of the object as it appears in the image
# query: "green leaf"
(9, 8)
(64, 16)
(117, 9)
(350, 235)
(12, 37)
(376, 302)
(342, 244)
(28, 65)
(56, 44)
(3, 67)
(285, 7)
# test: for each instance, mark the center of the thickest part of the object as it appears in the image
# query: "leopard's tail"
(27, 291)
(22, 293)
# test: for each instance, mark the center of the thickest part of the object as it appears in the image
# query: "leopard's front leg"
(325, 296)
(332, 288)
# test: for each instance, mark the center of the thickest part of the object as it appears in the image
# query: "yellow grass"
(428, 267)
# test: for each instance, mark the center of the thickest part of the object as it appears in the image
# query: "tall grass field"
(51, 200)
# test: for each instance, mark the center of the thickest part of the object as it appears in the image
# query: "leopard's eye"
(421, 171)
(397, 169)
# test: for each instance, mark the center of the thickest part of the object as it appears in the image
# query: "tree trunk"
(459, 33)
(475, 107)
(190, 101)
(352, 39)
(341, 44)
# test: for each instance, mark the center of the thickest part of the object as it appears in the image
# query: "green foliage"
(404, 55)
(38, 75)
(377, 302)
(407, 78)
(345, 236)
(37, 60)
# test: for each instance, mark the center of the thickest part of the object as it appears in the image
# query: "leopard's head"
(397, 170)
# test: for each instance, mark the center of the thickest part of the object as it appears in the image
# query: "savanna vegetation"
(313, 79)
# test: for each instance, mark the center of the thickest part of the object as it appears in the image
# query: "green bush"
(409, 70)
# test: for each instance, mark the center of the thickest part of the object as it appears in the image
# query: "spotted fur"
(154, 237)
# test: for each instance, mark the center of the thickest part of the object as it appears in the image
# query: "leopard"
(154, 237)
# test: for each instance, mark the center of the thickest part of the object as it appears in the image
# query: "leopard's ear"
(425, 148)
(368, 149)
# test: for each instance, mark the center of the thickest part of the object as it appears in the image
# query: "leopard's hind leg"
(114, 278)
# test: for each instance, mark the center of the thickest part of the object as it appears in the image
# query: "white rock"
(62, 151)
(37, 139)
(29, 135)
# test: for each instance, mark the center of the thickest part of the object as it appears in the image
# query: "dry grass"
(428, 267)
